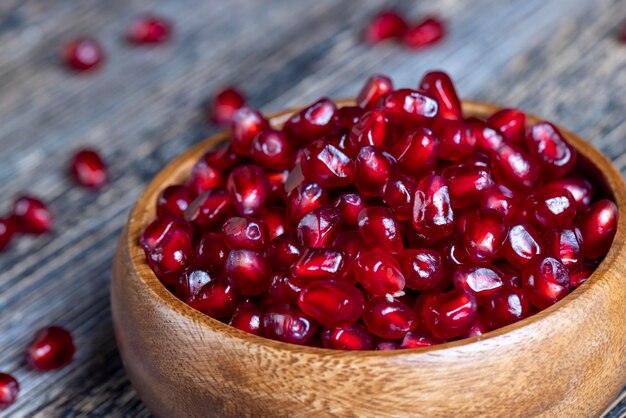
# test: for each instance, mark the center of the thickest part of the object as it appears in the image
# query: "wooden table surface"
(558, 59)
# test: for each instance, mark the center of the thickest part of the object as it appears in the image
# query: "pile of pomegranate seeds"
(389, 24)
(396, 223)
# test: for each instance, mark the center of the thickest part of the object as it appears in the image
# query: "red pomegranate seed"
(432, 212)
(565, 244)
(275, 217)
(285, 250)
(514, 168)
(348, 116)
(478, 280)
(247, 123)
(417, 152)
(503, 200)
(224, 105)
(486, 139)
(245, 233)
(217, 299)
(288, 324)
(373, 128)
(303, 199)
(172, 255)
(154, 233)
(191, 282)
(271, 151)
(455, 254)
(311, 123)
(333, 303)
(550, 208)
(349, 206)
(414, 340)
(385, 24)
(249, 189)
(325, 164)
(422, 268)
(283, 290)
(511, 123)
(250, 271)
(390, 319)
(82, 54)
(546, 144)
(209, 209)
(379, 273)
(522, 243)
(457, 140)
(468, 183)
(410, 107)
(440, 85)
(580, 188)
(485, 232)
(51, 348)
(318, 264)
(205, 177)
(546, 281)
(422, 307)
(452, 314)
(8, 228)
(222, 156)
(379, 228)
(373, 167)
(353, 337)
(249, 318)
(319, 227)
(32, 215)
(211, 252)
(374, 89)
(9, 389)
(149, 30)
(88, 169)
(398, 193)
(581, 275)
(425, 33)
(278, 181)
(598, 226)
(174, 200)
(505, 307)
(352, 246)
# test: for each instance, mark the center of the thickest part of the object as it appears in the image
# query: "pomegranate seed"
(565, 244)
(318, 264)
(484, 234)
(505, 307)
(154, 233)
(522, 244)
(174, 200)
(246, 124)
(172, 255)
(8, 228)
(373, 167)
(211, 252)
(598, 226)
(390, 319)
(249, 270)
(271, 151)
(432, 212)
(578, 277)
(249, 318)
(278, 181)
(204, 177)
(311, 123)
(546, 281)
(455, 254)
(387, 345)
(249, 189)
(149, 30)
(284, 323)
(32, 215)
(398, 193)
(502, 199)
(333, 303)
(82, 54)
(349, 206)
(422, 306)
(191, 282)
(514, 168)
(416, 153)
(51, 348)
(486, 139)
(225, 103)
(217, 299)
(303, 199)
(550, 208)
(411, 107)
(275, 218)
(283, 290)
(285, 250)
(374, 89)
(380, 229)
(352, 246)
(510, 123)
(348, 116)
(478, 329)
(422, 268)
(373, 128)
(452, 314)
(385, 24)
(427, 32)
(88, 169)
(221, 156)
(319, 227)
(442, 88)
(580, 188)
(9, 388)
(245, 233)
(378, 273)
(353, 337)
(550, 149)
(477, 280)
(468, 183)
(209, 209)
(326, 165)
(414, 340)
(457, 140)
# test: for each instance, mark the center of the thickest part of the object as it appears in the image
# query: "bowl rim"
(614, 181)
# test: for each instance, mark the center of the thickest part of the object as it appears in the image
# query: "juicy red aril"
(278, 180)
(414, 340)
(417, 152)
(432, 212)
(379, 228)
(319, 227)
(271, 151)
(468, 183)
(172, 255)
(311, 123)
(374, 89)
(478, 329)
(379, 273)
(565, 244)
(502, 199)
(442, 88)
(511, 123)
(427, 32)
(51, 348)
(373, 128)
(550, 149)
(82, 54)
(349, 206)
(174, 200)
(373, 167)
(545, 280)
(9, 388)
(225, 103)
(32, 215)
(154, 233)
(452, 314)
(333, 303)
(249, 189)
(478, 280)
(486, 139)
(422, 268)
(249, 318)
(514, 168)
(348, 116)
(222, 156)
(303, 199)
(245, 233)
(411, 107)
(318, 264)
(579, 276)
(288, 324)
(385, 25)
(283, 290)
(211, 252)
(209, 209)
(550, 208)
(353, 337)
(456, 140)
(390, 319)
(455, 254)
(505, 307)
(250, 271)
(205, 177)
(580, 188)
(149, 30)
(276, 220)
(191, 282)
(88, 169)
(398, 193)
(598, 226)
(8, 227)
(217, 299)
(327, 165)
(522, 243)
(246, 125)
(485, 232)
(352, 246)
(285, 250)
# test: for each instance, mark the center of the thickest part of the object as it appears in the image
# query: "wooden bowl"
(567, 361)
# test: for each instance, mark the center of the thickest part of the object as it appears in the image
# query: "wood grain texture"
(557, 59)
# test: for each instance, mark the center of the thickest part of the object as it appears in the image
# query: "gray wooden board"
(558, 59)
